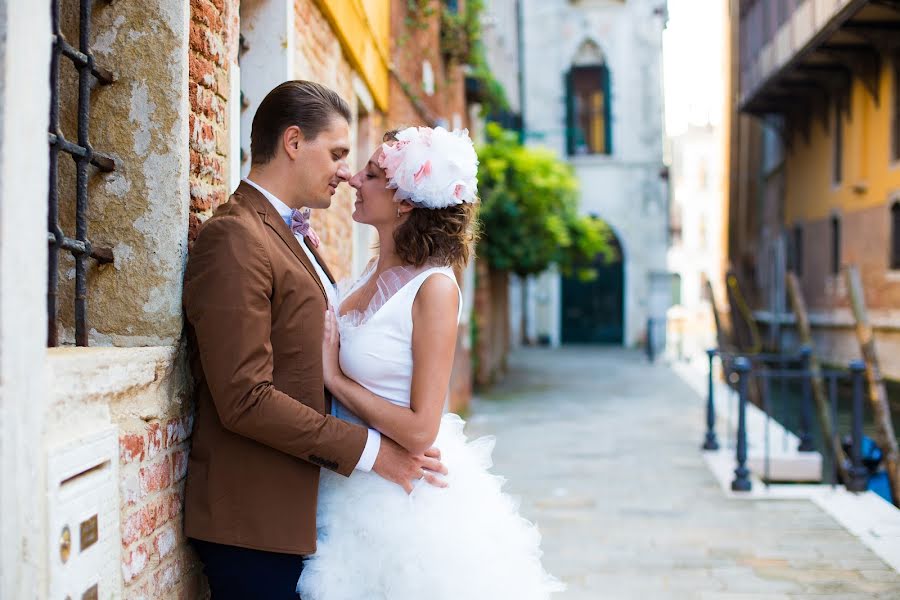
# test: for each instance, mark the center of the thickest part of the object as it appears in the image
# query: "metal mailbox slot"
(84, 517)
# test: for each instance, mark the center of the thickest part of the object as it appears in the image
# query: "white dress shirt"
(373, 443)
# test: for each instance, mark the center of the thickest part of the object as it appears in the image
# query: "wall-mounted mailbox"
(83, 511)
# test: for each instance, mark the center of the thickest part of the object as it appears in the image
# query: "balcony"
(795, 54)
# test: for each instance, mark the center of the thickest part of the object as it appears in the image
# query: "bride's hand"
(331, 344)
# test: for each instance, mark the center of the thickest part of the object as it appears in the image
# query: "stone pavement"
(603, 449)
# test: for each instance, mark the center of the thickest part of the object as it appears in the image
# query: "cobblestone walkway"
(604, 451)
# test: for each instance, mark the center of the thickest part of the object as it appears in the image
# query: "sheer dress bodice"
(376, 342)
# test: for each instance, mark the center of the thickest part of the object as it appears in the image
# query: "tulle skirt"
(466, 541)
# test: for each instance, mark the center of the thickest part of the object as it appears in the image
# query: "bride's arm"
(434, 315)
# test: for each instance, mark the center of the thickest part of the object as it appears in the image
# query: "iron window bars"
(83, 154)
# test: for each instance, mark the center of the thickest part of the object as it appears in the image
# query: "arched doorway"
(593, 312)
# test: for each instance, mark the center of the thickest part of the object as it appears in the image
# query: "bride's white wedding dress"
(375, 542)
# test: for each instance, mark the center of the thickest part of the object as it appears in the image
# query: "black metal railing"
(759, 371)
(84, 155)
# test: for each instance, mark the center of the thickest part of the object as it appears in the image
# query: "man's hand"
(395, 464)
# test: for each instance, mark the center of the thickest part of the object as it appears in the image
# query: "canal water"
(785, 399)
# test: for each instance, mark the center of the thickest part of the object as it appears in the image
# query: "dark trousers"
(242, 574)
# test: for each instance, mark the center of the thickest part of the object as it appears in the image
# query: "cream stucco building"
(593, 93)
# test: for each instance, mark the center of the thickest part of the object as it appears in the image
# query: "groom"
(255, 295)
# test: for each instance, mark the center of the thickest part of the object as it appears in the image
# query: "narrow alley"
(604, 451)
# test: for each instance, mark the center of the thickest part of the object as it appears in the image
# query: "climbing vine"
(462, 43)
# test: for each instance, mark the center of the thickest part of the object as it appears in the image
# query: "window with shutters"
(588, 110)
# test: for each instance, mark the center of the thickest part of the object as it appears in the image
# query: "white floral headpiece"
(432, 168)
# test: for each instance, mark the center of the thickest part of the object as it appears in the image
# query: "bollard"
(710, 442)
(741, 481)
(859, 476)
(651, 350)
(806, 439)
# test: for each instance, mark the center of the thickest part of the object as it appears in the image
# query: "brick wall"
(411, 46)
(156, 561)
(865, 242)
(491, 315)
(320, 57)
(212, 49)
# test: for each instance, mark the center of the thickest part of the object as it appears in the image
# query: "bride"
(387, 356)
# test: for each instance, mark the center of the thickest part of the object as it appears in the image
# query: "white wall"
(267, 27)
(23, 288)
(623, 189)
(500, 32)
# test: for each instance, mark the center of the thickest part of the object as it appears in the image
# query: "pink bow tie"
(300, 225)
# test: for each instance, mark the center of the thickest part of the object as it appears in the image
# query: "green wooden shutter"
(570, 112)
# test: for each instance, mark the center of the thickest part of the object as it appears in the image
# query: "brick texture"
(865, 242)
(156, 560)
(212, 50)
(320, 57)
(411, 46)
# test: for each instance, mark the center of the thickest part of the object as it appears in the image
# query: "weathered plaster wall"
(141, 208)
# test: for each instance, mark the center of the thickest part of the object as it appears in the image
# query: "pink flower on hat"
(431, 168)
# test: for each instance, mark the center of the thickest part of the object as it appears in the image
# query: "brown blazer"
(255, 309)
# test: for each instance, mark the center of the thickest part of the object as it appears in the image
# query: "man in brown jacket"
(255, 296)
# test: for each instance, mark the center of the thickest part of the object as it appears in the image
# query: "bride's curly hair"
(442, 235)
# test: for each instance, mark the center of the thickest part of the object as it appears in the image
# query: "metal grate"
(83, 155)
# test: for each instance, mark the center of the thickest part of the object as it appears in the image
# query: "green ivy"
(529, 211)
(419, 12)
(462, 43)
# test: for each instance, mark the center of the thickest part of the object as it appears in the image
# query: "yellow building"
(815, 166)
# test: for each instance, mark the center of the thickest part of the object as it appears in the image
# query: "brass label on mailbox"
(89, 533)
(92, 593)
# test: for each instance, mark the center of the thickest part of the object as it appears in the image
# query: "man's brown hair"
(308, 105)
